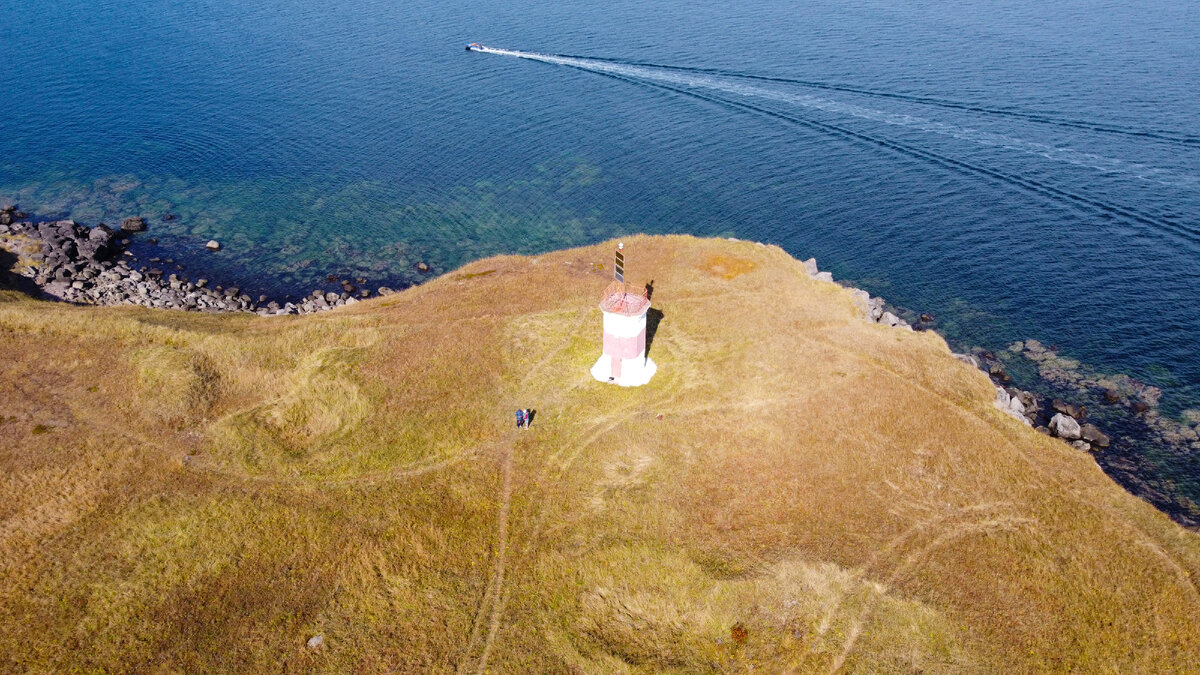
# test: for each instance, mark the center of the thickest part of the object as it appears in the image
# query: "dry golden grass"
(796, 490)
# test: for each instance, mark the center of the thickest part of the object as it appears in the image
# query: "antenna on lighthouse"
(619, 265)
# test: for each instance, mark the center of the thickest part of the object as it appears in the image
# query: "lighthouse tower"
(624, 360)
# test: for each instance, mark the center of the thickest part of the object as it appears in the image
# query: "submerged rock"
(134, 224)
(1093, 435)
(1077, 411)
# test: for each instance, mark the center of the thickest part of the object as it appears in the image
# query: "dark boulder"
(1077, 411)
(1028, 400)
(56, 230)
(1140, 407)
(1091, 434)
(997, 371)
(101, 233)
(1112, 396)
(134, 224)
(63, 247)
(94, 250)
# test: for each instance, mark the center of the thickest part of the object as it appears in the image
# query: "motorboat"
(474, 47)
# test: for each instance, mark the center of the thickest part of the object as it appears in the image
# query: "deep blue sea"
(1019, 168)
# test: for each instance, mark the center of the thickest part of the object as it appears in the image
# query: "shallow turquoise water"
(1020, 169)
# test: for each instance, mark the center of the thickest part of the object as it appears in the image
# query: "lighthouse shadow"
(653, 317)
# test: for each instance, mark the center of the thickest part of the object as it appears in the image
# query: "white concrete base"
(634, 372)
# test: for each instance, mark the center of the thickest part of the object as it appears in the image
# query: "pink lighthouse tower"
(624, 360)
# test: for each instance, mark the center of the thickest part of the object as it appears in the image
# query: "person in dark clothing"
(520, 419)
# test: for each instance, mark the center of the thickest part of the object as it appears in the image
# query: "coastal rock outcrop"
(73, 263)
(1011, 405)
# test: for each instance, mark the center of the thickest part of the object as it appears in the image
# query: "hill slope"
(795, 489)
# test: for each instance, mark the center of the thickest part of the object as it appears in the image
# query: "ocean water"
(1020, 169)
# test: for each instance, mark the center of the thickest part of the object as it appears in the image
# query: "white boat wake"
(726, 85)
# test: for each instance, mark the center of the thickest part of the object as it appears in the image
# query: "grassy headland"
(796, 489)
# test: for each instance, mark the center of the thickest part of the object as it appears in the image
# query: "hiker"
(520, 418)
(528, 416)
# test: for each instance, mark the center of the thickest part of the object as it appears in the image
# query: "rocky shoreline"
(1059, 418)
(1124, 403)
(93, 265)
